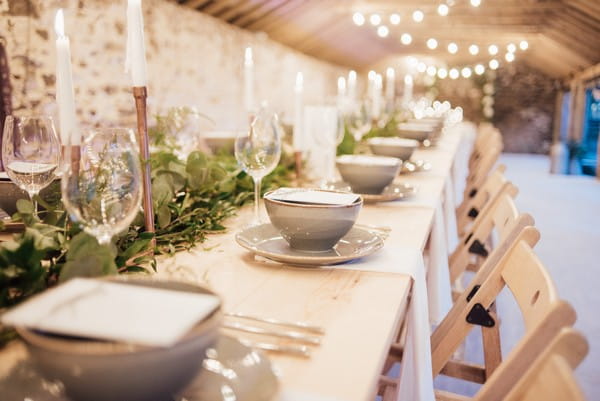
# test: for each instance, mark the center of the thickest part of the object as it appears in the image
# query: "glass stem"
(257, 182)
(35, 204)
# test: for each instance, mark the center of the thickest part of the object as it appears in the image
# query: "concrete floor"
(567, 213)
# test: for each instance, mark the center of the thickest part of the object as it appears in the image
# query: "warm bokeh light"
(494, 64)
(431, 70)
(406, 39)
(454, 74)
(510, 57)
(511, 48)
(421, 67)
(523, 45)
(466, 72)
(432, 43)
(475, 3)
(358, 19)
(442, 73)
(383, 31)
(443, 10)
(493, 50)
(418, 16)
(394, 19)
(474, 50)
(452, 48)
(479, 69)
(375, 19)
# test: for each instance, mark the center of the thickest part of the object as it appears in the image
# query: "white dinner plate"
(394, 191)
(415, 166)
(265, 240)
(226, 366)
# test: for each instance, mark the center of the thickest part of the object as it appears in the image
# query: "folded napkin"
(114, 311)
(315, 197)
(416, 381)
(450, 216)
(439, 289)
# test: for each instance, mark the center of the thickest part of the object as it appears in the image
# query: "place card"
(315, 197)
(114, 311)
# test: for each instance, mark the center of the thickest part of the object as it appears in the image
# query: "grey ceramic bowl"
(368, 174)
(417, 131)
(221, 140)
(402, 148)
(310, 227)
(108, 371)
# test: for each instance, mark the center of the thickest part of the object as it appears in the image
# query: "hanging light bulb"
(466, 72)
(358, 19)
(479, 69)
(523, 45)
(418, 16)
(475, 3)
(421, 67)
(510, 57)
(442, 73)
(454, 74)
(431, 70)
(395, 19)
(493, 50)
(452, 48)
(494, 64)
(432, 43)
(443, 10)
(406, 39)
(474, 50)
(375, 19)
(511, 47)
(383, 31)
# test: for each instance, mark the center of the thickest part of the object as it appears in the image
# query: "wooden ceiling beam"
(279, 16)
(195, 4)
(261, 11)
(236, 12)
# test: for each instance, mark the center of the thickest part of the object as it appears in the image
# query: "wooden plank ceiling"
(563, 35)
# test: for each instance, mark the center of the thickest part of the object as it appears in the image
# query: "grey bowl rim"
(357, 203)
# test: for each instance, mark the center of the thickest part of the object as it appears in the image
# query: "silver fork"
(295, 324)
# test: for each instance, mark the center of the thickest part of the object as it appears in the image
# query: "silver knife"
(299, 325)
(292, 335)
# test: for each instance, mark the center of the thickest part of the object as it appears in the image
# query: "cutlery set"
(297, 334)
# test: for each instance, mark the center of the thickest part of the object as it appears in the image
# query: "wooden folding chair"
(480, 168)
(549, 377)
(499, 214)
(470, 208)
(544, 314)
(490, 335)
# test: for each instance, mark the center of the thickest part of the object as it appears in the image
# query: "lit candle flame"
(248, 56)
(59, 23)
(299, 80)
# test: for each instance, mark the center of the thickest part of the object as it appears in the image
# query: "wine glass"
(359, 122)
(328, 135)
(258, 150)
(102, 182)
(30, 152)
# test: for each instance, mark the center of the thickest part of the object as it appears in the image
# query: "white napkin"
(114, 311)
(416, 381)
(296, 195)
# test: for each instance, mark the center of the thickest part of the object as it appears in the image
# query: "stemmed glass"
(30, 152)
(258, 151)
(330, 134)
(359, 122)
(102, 182)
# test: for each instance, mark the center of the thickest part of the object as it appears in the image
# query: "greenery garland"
(191, 198)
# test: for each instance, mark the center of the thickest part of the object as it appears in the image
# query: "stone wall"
(193, 60)
(523, 104)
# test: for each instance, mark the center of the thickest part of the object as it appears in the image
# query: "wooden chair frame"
(471, 207)
(499, 213)
(544, 314)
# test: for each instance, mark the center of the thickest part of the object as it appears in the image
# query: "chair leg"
(492, 351)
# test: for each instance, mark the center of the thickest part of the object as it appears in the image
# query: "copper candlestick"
(140, 94)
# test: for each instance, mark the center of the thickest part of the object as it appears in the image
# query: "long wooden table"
(360, 310)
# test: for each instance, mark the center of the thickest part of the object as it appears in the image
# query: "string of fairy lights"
(377, 20)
